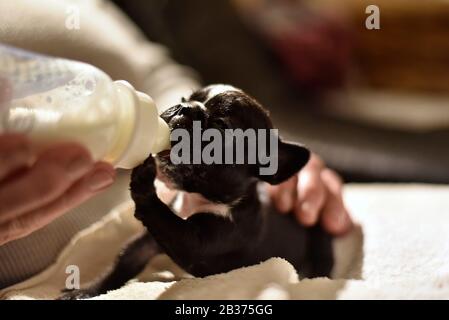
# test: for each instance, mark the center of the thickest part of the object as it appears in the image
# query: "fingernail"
(308, 211)
(100, 180)
(340, 219)
(307, 207)
(344, 220)
(79, 166)
(286, 201)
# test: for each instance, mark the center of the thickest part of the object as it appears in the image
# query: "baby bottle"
(54, 100)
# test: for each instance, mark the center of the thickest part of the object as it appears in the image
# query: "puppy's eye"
(183, 99)
(221, 123)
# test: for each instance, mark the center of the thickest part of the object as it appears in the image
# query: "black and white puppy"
(221, 218)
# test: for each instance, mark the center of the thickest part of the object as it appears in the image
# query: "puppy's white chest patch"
(186, 204)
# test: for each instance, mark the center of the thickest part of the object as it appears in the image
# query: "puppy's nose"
(193, 112)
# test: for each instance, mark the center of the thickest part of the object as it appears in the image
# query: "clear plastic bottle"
(53, 100)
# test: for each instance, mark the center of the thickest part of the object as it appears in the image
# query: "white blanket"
(400, 250)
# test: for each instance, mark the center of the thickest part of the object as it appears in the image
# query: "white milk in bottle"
(54, 100)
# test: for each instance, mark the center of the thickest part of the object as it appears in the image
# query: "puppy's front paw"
(142, 179)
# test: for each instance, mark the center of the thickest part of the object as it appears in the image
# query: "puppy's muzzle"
(183, 115)
(193, 112)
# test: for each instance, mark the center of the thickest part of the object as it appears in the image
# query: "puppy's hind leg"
(131, 261)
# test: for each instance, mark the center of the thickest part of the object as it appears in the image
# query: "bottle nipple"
(162, 141)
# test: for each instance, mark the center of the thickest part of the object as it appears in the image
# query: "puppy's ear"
(291, 158)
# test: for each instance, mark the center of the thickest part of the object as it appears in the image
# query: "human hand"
(315, 196)
(37, 187)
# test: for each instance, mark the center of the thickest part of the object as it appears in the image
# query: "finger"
(53, 173)
(335, 218)
(100, 177)
(5, 92)
(15, 153)
(284, 195)
(312, 195)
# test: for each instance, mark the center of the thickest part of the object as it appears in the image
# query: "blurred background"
(373, 103)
